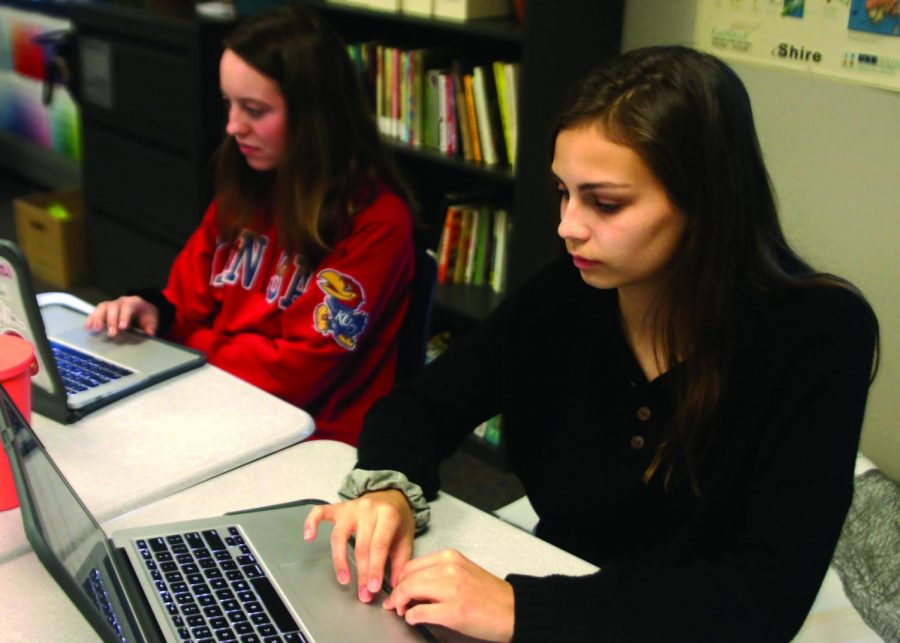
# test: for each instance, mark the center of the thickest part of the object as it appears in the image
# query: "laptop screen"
(14, 318)
(65, 536)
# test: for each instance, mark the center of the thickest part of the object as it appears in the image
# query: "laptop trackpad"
(132, 350)
(66, 325)
(328, 607)
(98, 342)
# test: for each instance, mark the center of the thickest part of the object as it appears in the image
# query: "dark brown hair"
(333, 160)
(688, 116)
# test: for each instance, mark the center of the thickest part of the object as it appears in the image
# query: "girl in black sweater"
(682, 395)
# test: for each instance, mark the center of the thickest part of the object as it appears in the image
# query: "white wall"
(833, 151)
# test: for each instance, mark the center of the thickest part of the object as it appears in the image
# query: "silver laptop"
(243, 577)
(79, 371)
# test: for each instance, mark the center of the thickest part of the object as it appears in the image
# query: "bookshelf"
(555, 44)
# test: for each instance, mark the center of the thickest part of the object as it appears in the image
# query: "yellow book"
(503, 103)
(473, 119)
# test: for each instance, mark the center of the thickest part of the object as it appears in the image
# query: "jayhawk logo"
(340, 314)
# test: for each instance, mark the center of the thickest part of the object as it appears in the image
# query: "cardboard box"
(53, 243)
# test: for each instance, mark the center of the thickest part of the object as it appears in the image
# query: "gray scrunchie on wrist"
(360, 481)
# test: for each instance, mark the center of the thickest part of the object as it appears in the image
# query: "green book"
(485, 230)
(430, 121)
(503, 105)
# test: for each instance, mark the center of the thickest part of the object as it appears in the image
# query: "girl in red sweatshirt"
(297, 279)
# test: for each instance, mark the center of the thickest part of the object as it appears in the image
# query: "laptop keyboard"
(96, 591)
(213, 589)
(80, 371)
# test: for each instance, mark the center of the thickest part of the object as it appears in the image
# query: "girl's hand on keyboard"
(446, 588)
(121, 313)
(383, 525)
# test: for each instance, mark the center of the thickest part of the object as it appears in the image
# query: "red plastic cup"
(17, 365)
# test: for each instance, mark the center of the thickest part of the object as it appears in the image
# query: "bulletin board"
(857, 40)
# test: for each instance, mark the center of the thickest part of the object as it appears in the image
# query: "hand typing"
(119, 314)
(383, 525)
(446, 588)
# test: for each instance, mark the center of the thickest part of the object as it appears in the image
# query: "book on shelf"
(405, 93)
(430, 123)
(417, 7)
(494, 117)
(443, 142)
(448, 244)
(422, 61)
(512, 97)
(462, 118)
(472, 245)
(380, 101)
(380, 5)
(472, 118)
(470, 9)
(393, 89)
(407, 96)
(479, 87)
(463, 244)
(388, 76)
(482, 246)
(505, 77)
(502, 225)
(416, 96)
(434, 98)
(450, 115)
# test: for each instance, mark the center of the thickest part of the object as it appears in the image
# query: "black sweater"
(744, 560)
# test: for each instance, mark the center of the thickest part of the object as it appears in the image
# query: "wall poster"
(857, 40)
(23, 63)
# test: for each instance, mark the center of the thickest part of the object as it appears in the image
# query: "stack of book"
(432, 98)
(473, 245)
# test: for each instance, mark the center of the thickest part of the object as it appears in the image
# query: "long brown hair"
(333, 161)
(688, 116)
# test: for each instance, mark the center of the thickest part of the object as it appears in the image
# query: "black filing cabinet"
(151, 118)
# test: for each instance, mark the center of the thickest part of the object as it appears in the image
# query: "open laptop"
(79, 371)
(245, 577)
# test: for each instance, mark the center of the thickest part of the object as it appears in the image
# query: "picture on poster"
(793, 8)
(855, 40)
(875, 16)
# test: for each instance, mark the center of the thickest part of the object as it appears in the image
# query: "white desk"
(160, 441)
(35, 609)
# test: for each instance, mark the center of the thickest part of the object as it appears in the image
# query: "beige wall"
(833, 150)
